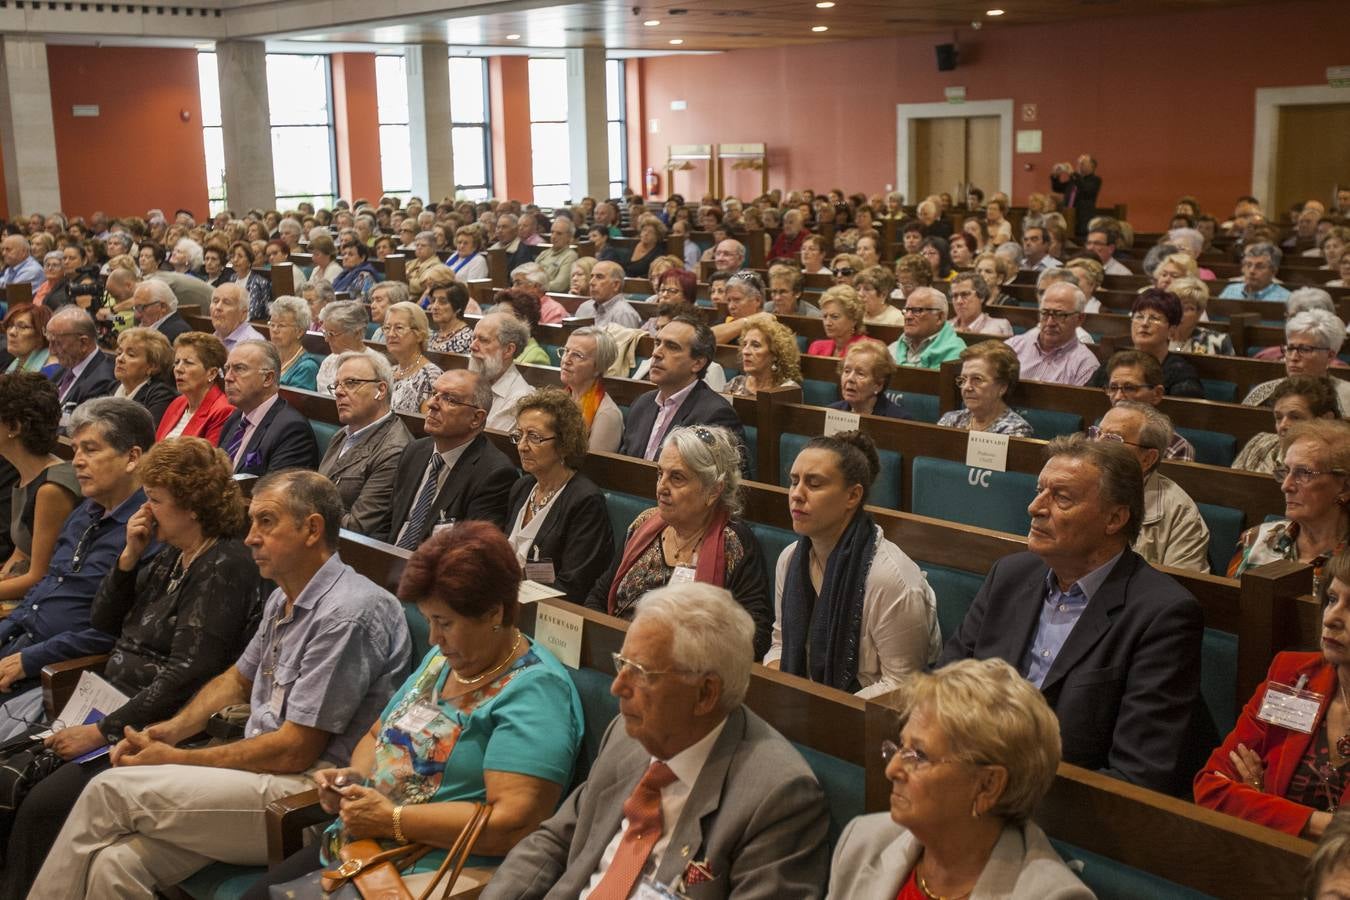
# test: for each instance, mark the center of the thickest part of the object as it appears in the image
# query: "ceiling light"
(513, 37)
(993, 12)
(652, 23)
(825, 4)
(820, 28)
(676, 41)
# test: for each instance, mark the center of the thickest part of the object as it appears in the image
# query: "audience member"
(875, 285)
(468, 262)
(358, 275)
(201, 408)
(1101, 242)
(84, 371)
(447, 305)
(989, 372)
(264, 434)
(1313, 339)
(842, 315)
(1260, 264)
(1036, 249)
(769, 357)
(1296, 399)
(26, 338)
(1089, 275)
(156, 306)
(1137, 377)
(558, 257)
(532, 279)
(1152, 317)
(583, 363)
(497, 338)
(1082, 601)
(229, 315)
(256, 286)
(523, 306)
(786, 284)
(607, 304)
(405, 333)
(969, 294)
(286, 327)
(1189, 336)
(864, 372)
(343, 324)
(1052, 352)
(928, 339)
(424, 258)
(142, 367)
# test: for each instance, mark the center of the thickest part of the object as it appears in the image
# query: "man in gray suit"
(689, 788)
(362, 458)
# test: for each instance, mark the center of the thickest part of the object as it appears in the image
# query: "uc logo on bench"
(978, 477)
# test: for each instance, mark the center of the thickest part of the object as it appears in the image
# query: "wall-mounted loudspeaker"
(946, 57)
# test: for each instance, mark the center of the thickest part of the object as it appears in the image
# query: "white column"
(246, 121)
(433, 162)
(587, 138)
(27, 134)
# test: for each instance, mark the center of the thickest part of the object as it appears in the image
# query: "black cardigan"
(575, 534)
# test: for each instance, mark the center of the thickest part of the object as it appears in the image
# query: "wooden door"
(982, 153)
(951, 151)
(1313, 155)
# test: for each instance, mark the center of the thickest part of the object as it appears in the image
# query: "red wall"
(512, 158)
(356, 119)
(138, 153)
(1165, 103)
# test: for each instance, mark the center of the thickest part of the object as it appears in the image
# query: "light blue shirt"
(1059, 613)
(30, 270)
(1237, 290)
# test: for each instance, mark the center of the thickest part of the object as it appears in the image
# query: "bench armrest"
(287, 820)
(59, 680)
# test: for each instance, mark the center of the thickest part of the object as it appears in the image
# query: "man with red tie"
(690, 791)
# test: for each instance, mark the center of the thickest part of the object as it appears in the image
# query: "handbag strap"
(460, 851)
(404, 855)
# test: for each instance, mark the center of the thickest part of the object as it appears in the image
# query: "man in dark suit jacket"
(1079, 188)
(156, 307)
(684, 348)
(751, 818)
(263, 434)
(86, 371)
(1113, 644)
(472, 478)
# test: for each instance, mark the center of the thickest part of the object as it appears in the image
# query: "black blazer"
(172, 325)
(283, 440)
(575, 534)
(1126, 683)
(155, 396)
(476, 488)
(703, 406)
(97, 380)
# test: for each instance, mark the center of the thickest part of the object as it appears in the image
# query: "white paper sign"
(837, 420)
(1029, 141)
(985, 450)
(533, 591)
(559, 631)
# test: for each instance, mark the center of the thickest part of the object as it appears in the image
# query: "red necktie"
(642, 809)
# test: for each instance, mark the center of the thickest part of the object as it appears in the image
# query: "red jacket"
(786, 246)
(1281, 749)
(206, 422)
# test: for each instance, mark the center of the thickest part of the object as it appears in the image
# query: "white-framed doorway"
(1266, 133)
(907, 113)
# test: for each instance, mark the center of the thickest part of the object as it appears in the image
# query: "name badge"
(681, 575)
(1289, 707)
(276, 701)
(418, 717)
(541, 571)
(651, 889)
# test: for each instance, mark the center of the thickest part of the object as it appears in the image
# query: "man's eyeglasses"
(910, 311)
(534, 438)
(1126, 388)
(1058, 315)
(351, 385)
(1304, 349)
(641, 673)
(442, 397)
(1300, 474)
(1114, 439)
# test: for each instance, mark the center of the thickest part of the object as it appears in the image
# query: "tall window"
(391, 92)
(208, 81)
(617, 125)
(548, 132)
(299, 94)
(470, 137)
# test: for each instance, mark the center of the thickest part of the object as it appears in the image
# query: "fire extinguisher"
(653, 182)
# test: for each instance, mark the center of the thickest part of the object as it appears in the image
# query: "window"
(391, 92)
(470, 137)
(548, 132)
(208, 81)
(617, 126)
(299, 96)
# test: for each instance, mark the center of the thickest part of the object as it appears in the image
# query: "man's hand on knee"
(11, 671)
(144, 748)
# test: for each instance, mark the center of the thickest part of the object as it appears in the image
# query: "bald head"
(121, 284)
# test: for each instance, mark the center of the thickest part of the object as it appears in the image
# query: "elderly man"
(229, 315)
(607, 304)
(508, 240)
(20, 267)
(1052, 351)
(454, 473)
(928, 339)
(330, 651)
(529, 230)
(607, 217)
(1313, 339)
(684, 348)
(263, 434)
(559, 257)
(789, 241)
(362, 458)
(1133, 376)
(1260, 263)
(1036, 249)
(717, 802)
(1113, 644)
(1101, 243)
(1172, 532)
(532, 278)
(85, 371)
(52, 624)
(497, 339)
(156, 306)
(729, 256)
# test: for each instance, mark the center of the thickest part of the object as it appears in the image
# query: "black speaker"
(946, 57)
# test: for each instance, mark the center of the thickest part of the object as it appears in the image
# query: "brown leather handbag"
(376, 872)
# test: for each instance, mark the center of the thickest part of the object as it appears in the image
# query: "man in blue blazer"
(84, 371)
(1113, 644)
(684, 349)
(264, 434)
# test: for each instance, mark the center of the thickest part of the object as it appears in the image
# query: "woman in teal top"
(26, 337)
(487, 716)
(286, 327)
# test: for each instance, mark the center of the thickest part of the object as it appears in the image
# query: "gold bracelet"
(398, 825)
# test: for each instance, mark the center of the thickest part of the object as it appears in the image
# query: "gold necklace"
(405, 371)
(931, 895)
(290, 362)
(682, 549)
(515, 645)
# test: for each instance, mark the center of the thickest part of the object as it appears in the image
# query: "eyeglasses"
(60, 335)
(566, 353)
(1058, 315)
(1148, 318)
(237, 369)
(1126, 388)
(911, 760)
(396, 330)
(909, 311)
(534, 438)
(975, 381)
(669, 290)
(276, 323)
(1300, 474)
(1304, 349)
(963, 295)
(20, 326)
(351, 385)
(77, 559)
(846, 270)
(442, 397)
(641, 674)
(1114, 439)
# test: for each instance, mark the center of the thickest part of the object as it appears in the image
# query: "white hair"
(714, 456)
(193, 251)
(1189, 239)
(1318, 321)
(1306, 298)
(378, 363)
(711, 634)
(162, 293)
(296, 308)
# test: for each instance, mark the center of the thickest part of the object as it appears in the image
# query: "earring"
(975, 810)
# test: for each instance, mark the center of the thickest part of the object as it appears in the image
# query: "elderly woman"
(559, 257)
(286, 328)
(358, 275)
(651, 244)
(468, 262)
(384, 246)
(1090, 274)
(182, 615)
(977, 752)
(483, 683)
(214, 271)
(1315, 478)
(964, 248)
(694, 533)
(1172, 267)
(786, 284)
(844, 266)
(812, 255)
(200, 410)
(911, 271)
(585, 359)
(143, 366)
(1333, 245)
(187, 257)
(852, 611)
(1313, 338)
(256, 284)
(1328, 875)
(382, 296)
(405, 336)
(344, 328)
(989, 372)
(969, 293)
(1305, 298)
(559, 523)
(868, 249)
(875, 286)
(524, 306)
(841, 315)
(275, 253)
(54, 275)
(996, 271)
(324, 253)
(769, 357)
(864, 372)
(579, 283)
(1152, 317)
(448, 303)
(26, 337)
(1295, 399)
(46, 490)
(150, 258)
(424, 257)
(1000, 229)
(1190, 336)
(936, 251)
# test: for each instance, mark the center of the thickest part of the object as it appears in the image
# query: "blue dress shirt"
(1059, 613)
(1237, 290)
